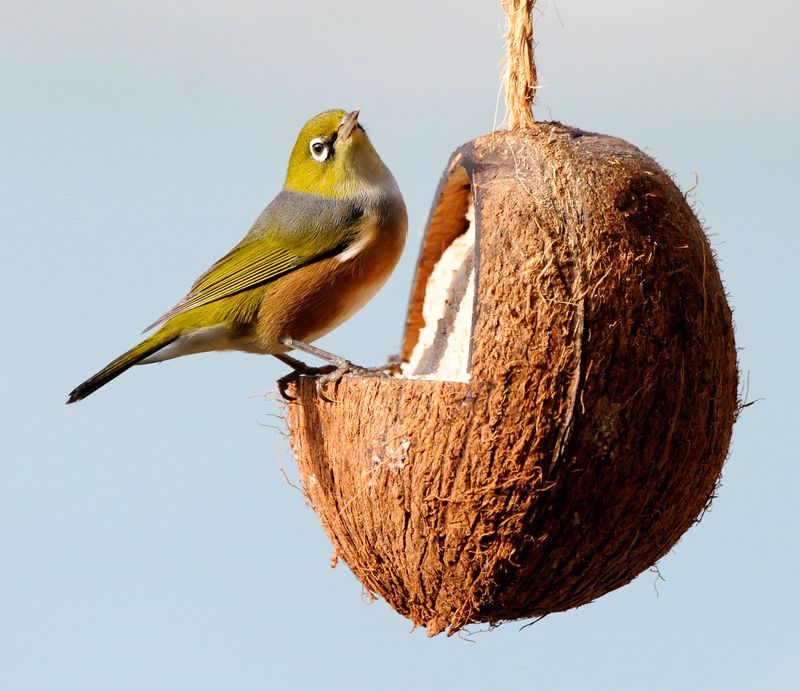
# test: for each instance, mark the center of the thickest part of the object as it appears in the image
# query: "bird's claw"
(294, 376)
(283, 385)
(334, 377)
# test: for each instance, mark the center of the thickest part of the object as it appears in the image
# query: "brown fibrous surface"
(599, 407)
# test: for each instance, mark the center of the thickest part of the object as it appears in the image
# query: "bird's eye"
(319, 149)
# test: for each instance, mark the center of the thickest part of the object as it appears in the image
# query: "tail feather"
(136, 354)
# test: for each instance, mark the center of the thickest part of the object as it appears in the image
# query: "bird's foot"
(334, 375)
(330, 374)
(294, 376)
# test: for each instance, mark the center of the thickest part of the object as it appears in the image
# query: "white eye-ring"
(319, 149)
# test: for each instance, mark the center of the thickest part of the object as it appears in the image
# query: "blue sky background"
(147, 535)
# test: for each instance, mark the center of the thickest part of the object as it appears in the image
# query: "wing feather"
(295, 230)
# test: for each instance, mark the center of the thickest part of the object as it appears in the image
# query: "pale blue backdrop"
(148, 539)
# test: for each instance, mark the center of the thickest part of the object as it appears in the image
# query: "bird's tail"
(150, 345)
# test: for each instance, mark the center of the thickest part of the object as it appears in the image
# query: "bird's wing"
(293, 231)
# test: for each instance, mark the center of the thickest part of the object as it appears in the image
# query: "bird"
(316, 254)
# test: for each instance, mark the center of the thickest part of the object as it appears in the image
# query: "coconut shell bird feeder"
(568, 387)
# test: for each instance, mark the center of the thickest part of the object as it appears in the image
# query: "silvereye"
(313, 257)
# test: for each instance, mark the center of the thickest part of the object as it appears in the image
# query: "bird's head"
(333, 157)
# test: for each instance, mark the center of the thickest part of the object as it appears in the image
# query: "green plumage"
(295, 230)
(147, 347)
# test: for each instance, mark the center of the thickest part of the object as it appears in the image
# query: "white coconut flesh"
(442, 350)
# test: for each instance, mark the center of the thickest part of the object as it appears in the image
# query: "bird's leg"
(340, 364)
(294, 363)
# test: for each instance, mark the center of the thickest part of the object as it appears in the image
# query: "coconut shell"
(599, 409)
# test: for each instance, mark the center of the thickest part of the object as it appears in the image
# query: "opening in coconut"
(438, 339)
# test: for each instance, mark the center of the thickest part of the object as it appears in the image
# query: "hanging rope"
(520, 75)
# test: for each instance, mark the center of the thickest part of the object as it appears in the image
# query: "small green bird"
(314, 256)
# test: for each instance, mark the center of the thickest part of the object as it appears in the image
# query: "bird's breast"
(317, 298)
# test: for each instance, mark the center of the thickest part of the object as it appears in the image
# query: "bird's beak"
(349, 123)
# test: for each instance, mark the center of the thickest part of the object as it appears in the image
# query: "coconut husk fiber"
(592, 425)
